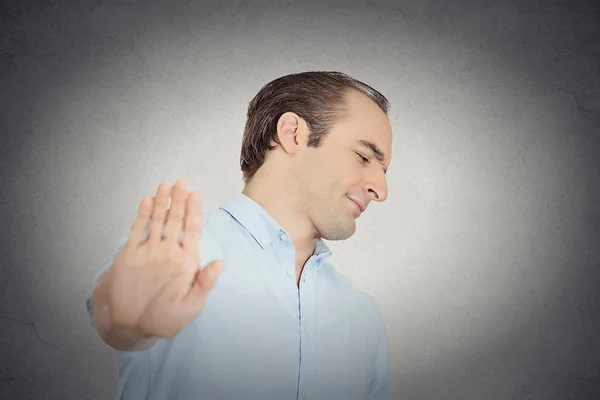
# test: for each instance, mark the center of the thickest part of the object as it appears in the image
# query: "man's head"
(326, 138)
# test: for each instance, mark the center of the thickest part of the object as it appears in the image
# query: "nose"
(377, 187)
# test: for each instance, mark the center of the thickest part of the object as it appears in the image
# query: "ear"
(290, 132)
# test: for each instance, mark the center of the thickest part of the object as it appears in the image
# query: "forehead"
(365, 121)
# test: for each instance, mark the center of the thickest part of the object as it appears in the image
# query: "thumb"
(207, 277)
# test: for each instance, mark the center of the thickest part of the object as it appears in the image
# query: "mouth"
(357, 206)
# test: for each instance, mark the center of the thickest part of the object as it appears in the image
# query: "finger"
(161, 203)
(176, 213)
(138, 229)
(192, 226)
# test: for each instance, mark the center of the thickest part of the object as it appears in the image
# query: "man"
(242, 303)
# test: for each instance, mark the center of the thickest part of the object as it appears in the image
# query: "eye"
(364, 159)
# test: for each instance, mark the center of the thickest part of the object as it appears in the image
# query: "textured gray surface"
(484, 258)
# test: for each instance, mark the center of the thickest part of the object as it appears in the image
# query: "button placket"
(305, 291)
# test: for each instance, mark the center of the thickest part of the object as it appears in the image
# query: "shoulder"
(220, 232)
(218, 224)
(210, 248)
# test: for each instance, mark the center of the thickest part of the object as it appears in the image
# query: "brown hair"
(318, 97)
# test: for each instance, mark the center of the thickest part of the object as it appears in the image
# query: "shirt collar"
(263, 228)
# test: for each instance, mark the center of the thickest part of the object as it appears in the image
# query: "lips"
(361, 207)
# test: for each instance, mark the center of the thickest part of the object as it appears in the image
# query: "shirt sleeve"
(379, 380)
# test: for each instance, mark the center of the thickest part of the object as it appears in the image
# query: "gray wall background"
(484, 258)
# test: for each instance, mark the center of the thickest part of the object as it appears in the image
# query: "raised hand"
(155, 287)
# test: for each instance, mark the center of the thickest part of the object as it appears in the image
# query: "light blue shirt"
(259, 336)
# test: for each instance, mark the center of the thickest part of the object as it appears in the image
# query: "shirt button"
(290, 272)
(264, 240)
(284, 237)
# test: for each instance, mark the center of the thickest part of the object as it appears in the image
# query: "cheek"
(350, 170)
(343, 165)
(333, 172)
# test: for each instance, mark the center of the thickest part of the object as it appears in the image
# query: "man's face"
(342, 169)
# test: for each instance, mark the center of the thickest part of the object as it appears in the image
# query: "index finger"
(192, 225)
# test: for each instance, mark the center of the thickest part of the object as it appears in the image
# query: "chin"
(339, 232)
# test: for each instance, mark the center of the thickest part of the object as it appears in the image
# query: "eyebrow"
(373, 147)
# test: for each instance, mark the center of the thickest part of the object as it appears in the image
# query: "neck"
(281, 200)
